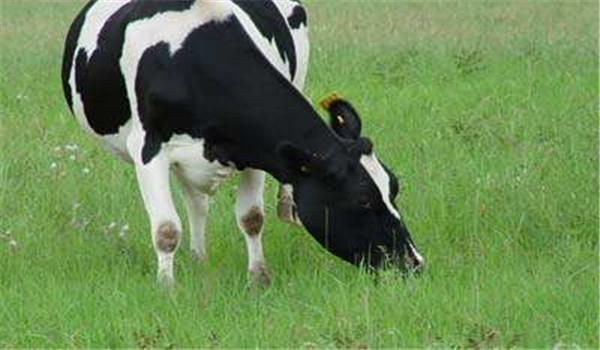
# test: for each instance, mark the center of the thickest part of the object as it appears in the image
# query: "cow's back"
(95, 71)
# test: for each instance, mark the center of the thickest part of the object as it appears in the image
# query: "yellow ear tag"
(327, 101)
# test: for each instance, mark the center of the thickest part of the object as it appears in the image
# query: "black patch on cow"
(269, 21)
(153, 61)
(219, 87)
(165, 107)
(69, 52)
(297, 18)
(99, 78)
(165, 84)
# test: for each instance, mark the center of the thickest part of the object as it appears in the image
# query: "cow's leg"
(153, 179)
(286, 208)
(250, 216)
(197, 210)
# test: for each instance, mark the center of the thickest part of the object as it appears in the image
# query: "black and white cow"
(203, 88)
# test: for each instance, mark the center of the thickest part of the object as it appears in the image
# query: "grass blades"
(487, 111)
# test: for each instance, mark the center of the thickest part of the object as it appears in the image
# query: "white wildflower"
(123, 231)
(72, 147)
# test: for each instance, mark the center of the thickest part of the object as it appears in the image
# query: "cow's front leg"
(153, 179)
(286, 208)
(250, 217)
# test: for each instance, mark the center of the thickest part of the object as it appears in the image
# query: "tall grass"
(487, 111)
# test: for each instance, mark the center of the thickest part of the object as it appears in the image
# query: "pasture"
(488, 112)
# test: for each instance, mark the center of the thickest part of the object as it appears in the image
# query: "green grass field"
(488, 112)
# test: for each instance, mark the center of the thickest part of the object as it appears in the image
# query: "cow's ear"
(296, 159)
(343, 118)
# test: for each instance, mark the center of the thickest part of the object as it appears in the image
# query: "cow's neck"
(277, 117)
(252, 126)
(245, 105)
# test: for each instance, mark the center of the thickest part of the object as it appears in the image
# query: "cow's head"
(345, 198)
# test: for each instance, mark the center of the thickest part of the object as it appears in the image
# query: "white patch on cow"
(185, 153)
(285, 7)
(267, 47)
(300, 39)
(381, 179)
(117, 143)
(95, 19)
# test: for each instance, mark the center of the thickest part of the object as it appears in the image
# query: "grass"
(487, 111)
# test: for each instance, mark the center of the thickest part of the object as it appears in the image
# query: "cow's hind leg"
(197, 210)
(153, 179)
(250, 217)
(286, 208)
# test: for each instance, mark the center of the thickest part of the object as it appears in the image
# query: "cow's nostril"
(417, 267)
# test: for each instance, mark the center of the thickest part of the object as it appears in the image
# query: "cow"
(202, 89)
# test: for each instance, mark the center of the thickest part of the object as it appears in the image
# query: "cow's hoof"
(259, 278)
(165, 282)
(198, 257)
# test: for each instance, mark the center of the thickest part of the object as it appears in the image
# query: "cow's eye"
(365, 202)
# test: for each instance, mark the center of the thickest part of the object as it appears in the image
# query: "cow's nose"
(415, 266)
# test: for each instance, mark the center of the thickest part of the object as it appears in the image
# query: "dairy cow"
(201, 89)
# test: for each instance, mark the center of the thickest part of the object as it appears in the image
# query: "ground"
(488, 112)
